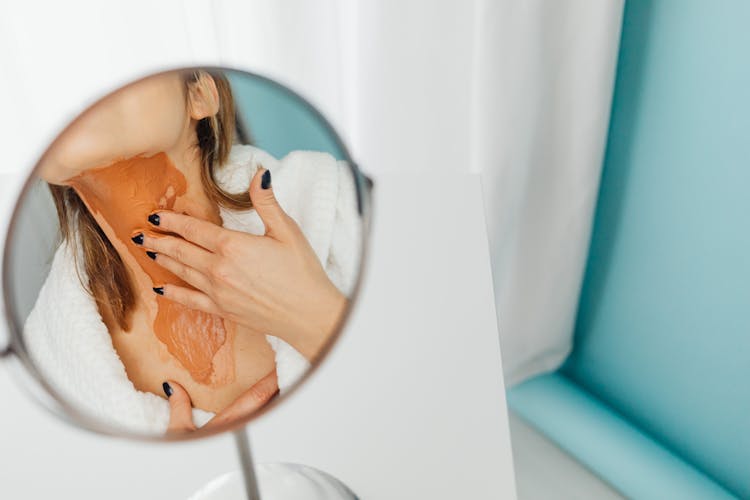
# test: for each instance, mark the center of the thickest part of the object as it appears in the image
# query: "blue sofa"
(655, 396)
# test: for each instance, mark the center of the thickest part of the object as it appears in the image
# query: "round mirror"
(183, 254)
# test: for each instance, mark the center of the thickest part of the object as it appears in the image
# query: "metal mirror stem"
(247, 467)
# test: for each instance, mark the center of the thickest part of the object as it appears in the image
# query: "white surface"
(544, 471)
(517, 90)
(410, 404)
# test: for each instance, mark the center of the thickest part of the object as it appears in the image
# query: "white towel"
(70, 344)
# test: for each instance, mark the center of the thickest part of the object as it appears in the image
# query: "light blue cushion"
(663, 329)
(278, 120)
(631, 461)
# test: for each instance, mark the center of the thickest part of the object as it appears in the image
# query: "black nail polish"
(154, 219)
(138, 239)
(159, 290)
(152, 255)
(167, 389)
(265, 181)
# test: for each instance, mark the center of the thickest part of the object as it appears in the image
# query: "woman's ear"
(203, 97)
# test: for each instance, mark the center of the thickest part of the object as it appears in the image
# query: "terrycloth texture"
(70, 344)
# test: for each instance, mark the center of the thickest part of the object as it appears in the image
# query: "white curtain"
(543, 90)
(518, 91)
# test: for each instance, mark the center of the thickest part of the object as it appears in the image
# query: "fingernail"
(154, 219)
(167, 389)
(159, 290)
(152, 256)
(138, 239)
(265, 181)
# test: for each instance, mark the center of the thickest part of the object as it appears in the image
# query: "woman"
(122, 176)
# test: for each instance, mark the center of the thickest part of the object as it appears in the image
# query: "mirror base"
(277, 481)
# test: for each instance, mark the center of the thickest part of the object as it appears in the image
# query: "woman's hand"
(181, 408)
(272, 284)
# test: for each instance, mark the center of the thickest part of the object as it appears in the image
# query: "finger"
(198, 231)
(249, 402)
(184, 272)
(264, 202)
(180, 250)
(180, 408)
(193, 299)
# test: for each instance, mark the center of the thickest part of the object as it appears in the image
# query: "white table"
(410, 404)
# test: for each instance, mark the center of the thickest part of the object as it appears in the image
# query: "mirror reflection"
(186, 250)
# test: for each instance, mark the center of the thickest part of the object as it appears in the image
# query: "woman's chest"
(214, 371)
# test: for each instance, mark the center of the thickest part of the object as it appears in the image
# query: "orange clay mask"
(121, 196)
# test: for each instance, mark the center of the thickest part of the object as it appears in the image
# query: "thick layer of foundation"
(121, 196)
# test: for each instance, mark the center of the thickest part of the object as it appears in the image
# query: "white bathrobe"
(72, 348)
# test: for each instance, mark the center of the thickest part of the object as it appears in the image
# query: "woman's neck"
(122, 195)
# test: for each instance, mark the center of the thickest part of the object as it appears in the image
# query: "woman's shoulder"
(294, 168)
(243, 161)
(244, 155)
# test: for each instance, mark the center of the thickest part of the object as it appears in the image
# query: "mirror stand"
(46, 303)
(247, 467)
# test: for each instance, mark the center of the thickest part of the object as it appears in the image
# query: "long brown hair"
(107, 277)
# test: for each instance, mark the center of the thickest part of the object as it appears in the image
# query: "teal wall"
(663, 328)
(279, 121)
